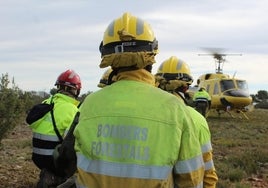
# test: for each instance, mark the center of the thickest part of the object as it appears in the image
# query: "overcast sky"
(39, 39)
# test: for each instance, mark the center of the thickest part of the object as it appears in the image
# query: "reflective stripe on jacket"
(129, 135)
(210, 176)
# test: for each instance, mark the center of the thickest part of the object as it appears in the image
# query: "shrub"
(263, 105)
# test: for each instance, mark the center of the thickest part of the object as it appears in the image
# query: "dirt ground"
(18, 171)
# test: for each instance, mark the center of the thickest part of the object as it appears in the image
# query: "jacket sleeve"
(189, 169)
(210, 176)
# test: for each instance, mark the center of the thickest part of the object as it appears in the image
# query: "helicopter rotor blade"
(220, 58)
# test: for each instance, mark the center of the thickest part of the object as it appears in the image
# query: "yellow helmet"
(104, 81)
(128, 34)
(175, 69)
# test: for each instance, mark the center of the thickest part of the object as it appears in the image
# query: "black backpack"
(38, 111)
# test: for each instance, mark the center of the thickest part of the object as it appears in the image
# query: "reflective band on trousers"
(39, 136)
(206, 147)
(122, 169)
(187, 166)
(43, 151)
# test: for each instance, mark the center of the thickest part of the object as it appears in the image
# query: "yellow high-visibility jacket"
(45, 138)
(204, 136)
(130, 135)
(201, 96)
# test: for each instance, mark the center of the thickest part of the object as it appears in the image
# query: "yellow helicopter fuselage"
(225, 92)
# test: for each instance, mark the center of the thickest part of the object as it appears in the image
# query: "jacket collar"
(140, 75)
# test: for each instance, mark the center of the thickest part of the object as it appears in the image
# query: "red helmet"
(69, 78)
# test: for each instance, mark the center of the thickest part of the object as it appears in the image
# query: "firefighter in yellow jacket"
(202, 101)
(174, 77)
(45, 136)
(107, 78)
(129, 133)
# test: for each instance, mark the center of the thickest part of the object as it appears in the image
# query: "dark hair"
(68, 90)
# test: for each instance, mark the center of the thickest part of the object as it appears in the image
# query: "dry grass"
(17, 169)
(240, 148)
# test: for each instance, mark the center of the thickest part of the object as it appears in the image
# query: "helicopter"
(228, 94)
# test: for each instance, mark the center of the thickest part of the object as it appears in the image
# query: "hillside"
(240, 153)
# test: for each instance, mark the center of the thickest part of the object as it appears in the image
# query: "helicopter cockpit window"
(227, 85)
(241, 84)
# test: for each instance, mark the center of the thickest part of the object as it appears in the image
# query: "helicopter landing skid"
(244, 114)
(231, 114)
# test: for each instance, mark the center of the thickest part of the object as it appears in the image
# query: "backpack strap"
(64, 155)
(54, 122)
(75, 121)
(69, 135)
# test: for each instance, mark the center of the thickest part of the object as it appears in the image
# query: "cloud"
(42, 39)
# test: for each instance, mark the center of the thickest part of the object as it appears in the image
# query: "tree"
(53, 91)
(262, 94)
(83, 96)
(261, 98)
(11, 107)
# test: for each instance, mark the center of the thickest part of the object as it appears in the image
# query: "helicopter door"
(215, 98)
(208, 88)
(216, 89)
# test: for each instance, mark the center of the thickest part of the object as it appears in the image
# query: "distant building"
(42, 94)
